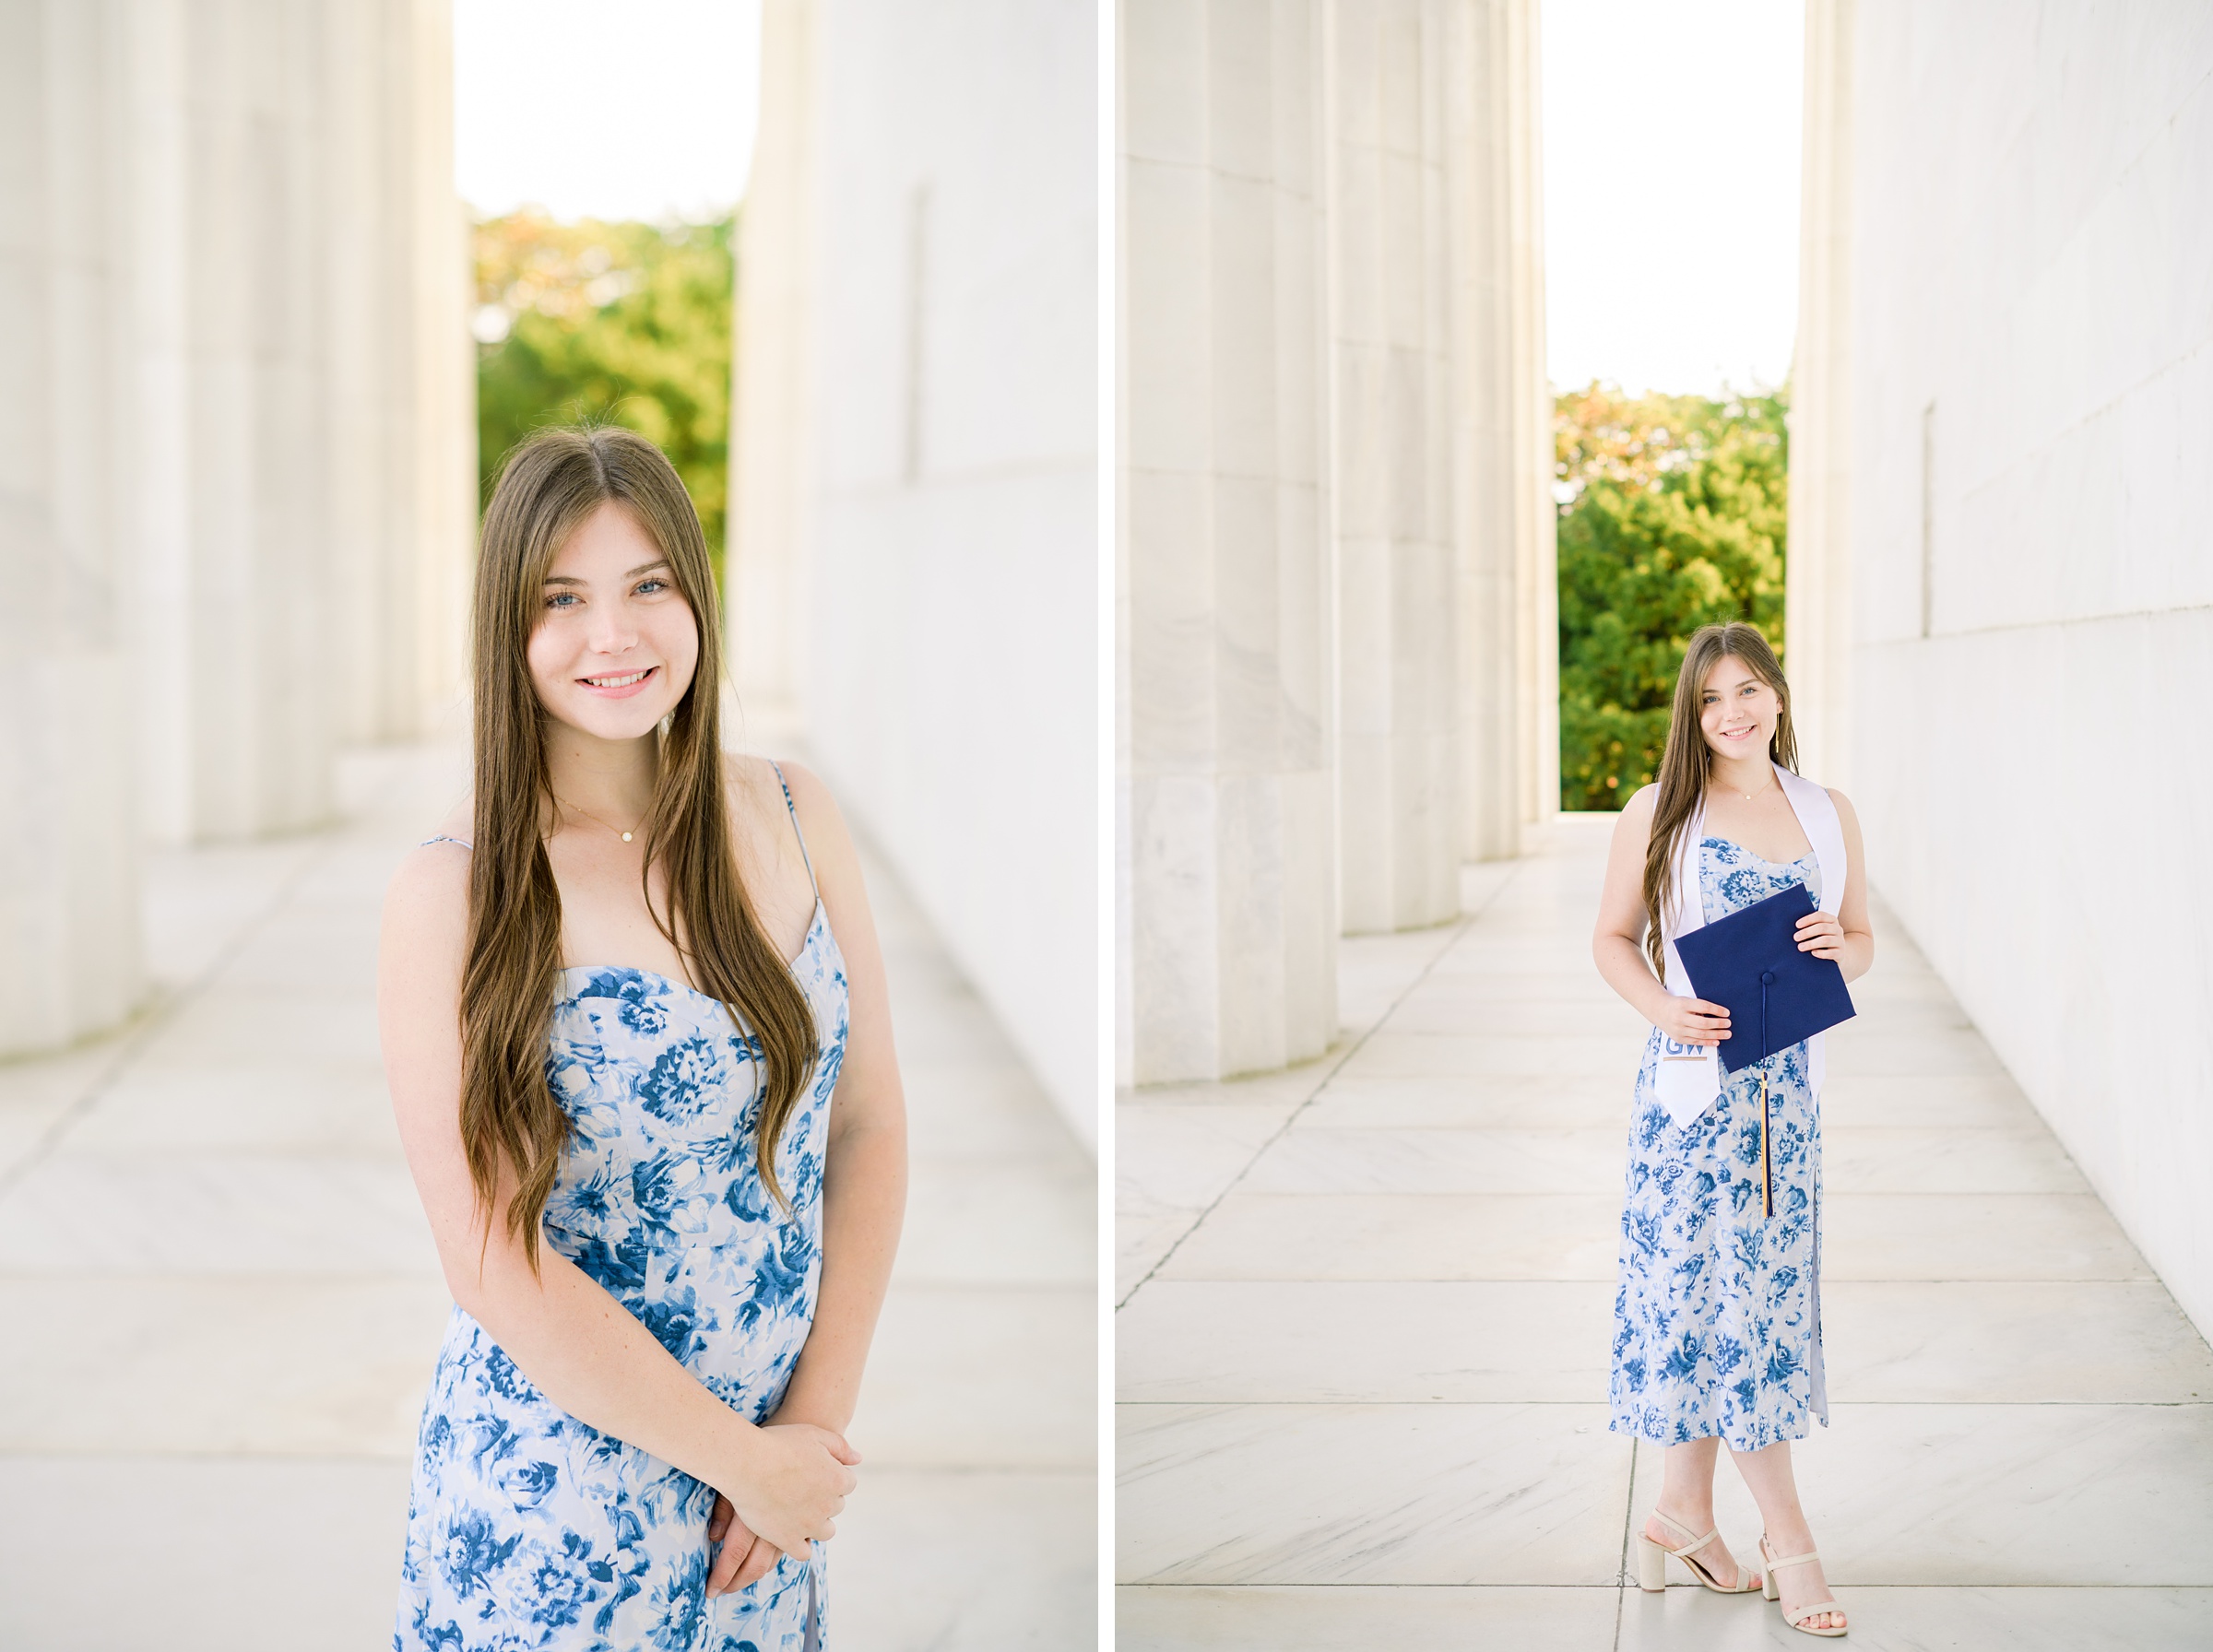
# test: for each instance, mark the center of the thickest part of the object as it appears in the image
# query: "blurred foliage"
(614, 322)
(1673, 512)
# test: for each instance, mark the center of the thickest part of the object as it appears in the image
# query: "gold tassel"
(1767, 1164)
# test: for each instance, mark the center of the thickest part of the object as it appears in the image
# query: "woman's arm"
(1846, 936)
(572, 1339)
(1618, 943)
(864, 1174)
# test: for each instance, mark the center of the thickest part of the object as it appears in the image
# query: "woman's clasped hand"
(1692, 1020)
(795, 1482)
(1822, 933)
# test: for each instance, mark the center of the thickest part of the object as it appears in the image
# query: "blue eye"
(559, 598)
(653, 585)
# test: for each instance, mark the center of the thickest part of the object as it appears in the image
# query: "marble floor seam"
(1466, 922)
(1336, 1063)
(161, 1011)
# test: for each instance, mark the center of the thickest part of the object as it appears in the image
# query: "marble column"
(402, 368)
(303, 394)
(771, 394)
(1504, 518)
(1225, 593)
(1817, 590)
(442, 390)
(369, 458)
(69, 939)
(233, 327)
(1392, 393)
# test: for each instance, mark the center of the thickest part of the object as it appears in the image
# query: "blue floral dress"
(1717, 1322)
(527, 1529)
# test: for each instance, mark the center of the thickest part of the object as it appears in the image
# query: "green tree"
(619, 322)
(1672, 511)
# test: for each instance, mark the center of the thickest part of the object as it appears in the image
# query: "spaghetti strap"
(442, 838)
(794, 809)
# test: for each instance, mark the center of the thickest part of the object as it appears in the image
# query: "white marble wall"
(941, 587)
(69, 944)
(1393, 392)
(2032, 356)
(1227, 606)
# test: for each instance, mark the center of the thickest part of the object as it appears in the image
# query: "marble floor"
(221, 1303)
(1364, 1308)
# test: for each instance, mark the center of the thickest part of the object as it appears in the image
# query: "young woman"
(634, 1026)
(1717, 1319)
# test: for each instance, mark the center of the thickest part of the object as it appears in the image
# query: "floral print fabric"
(527, 1529)
(1717, 1319)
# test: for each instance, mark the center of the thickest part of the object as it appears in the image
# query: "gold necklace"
(594, 819)
(1763, 791)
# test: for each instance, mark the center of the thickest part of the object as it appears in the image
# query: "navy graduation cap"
(1749, 963)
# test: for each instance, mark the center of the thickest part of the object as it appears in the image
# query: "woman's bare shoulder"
(760, 821)
(1633, 827)
(762, 783)
(428, 896)
(456, 829)
(829, 845)
(750, 776)
(756, 800)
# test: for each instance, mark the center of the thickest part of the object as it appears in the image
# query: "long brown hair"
(548, 486)
(1687, 761)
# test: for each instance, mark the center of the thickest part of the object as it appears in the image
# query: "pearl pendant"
(626, 837)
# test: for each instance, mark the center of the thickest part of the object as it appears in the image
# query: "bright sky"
(612, 109)
(1670, 157)
(1671, 192)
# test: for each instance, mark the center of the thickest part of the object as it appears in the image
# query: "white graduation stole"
(1689, 1076)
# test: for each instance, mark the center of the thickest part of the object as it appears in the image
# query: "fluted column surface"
(1393, 388)
(69, 946)
(1225, 591)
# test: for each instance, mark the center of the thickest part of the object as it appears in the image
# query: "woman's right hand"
(793, 1484)
(741, 1559)
(1693, 1021)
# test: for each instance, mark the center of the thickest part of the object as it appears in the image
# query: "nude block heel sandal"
(1797, 1621)
(1651, 1561)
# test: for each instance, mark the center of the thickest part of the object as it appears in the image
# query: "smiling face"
(616, 643)
(1737, 710)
